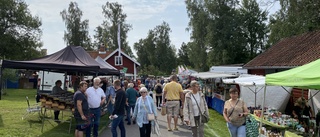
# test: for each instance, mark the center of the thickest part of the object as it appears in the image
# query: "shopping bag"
(252, 125)
(155, 129)
(163, 110)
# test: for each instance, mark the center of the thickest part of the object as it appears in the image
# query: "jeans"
(236, 131)
(110, 108)
(145, 130)
(129, 112)
(118, 122)
(158, 100)
(198, 130)
(95, 119)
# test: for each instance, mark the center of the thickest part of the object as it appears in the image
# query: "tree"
(77, 33)
(156, 50)
(107, 32)
(294, 17)
(254, 27)
(197, 26)
(183, 55)
(19, 31)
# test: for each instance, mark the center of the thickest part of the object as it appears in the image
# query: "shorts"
(81, 125)
(173, 108)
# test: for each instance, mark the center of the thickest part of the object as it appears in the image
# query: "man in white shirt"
(96, 97)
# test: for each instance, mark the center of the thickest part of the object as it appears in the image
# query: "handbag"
(203, 116)
(251, 127)
(150, 116)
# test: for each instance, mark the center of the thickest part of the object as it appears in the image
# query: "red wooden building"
(122, 61)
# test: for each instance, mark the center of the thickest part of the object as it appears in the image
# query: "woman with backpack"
(158, 89)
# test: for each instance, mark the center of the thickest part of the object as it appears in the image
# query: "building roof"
(115, 51)
(107, 54)
(289, 52)
(95, 54)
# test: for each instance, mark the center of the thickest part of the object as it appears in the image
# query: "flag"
(119, 44)
(179, 70)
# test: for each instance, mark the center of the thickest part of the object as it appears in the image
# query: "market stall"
(251, 90)
(273, 122)
(305, 77)
(212, 86)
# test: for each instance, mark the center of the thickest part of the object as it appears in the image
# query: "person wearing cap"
(173, 93)
(144, 105)
(302, 111)
(235, 112)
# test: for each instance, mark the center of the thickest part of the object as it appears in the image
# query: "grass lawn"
(216, 127)
(13, 107)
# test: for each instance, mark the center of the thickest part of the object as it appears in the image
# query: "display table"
(45, 117)
(209, 100)
(290, 134)
(268, 122)
(217, 104)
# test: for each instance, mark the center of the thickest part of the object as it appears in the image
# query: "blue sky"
(143, 15)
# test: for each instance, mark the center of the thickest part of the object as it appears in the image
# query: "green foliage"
(156, 50)
(10, 74)
(197, 25)
(216, 126)
(295, 17)
(107, 32)
(14, 106)
(254, 27)
(19, 31)
(183, 55)
(150, 70)
(222, 33)
(77, 33)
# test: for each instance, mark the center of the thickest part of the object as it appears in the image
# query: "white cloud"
(142, 14)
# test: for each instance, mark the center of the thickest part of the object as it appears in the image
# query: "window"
(118, 60)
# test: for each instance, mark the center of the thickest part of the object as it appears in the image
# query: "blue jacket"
(140, 112)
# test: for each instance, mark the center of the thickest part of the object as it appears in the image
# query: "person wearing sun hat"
(144, 106)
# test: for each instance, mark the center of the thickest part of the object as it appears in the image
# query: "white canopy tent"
(275, 97)
(314, 100)
(208, 75)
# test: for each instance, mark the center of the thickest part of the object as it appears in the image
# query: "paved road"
(133, 130)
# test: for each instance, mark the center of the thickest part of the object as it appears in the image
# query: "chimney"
(102, 49)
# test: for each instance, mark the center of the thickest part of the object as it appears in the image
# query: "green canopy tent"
(305, 77)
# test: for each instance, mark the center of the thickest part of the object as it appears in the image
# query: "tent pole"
(42, 81)
(255, 96)
(65, 80)
(1, 69)
(263, 104)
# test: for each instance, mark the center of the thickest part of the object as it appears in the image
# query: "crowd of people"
(133, 101)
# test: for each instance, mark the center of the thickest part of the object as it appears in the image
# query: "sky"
(143, 15)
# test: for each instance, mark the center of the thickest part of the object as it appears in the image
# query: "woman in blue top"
(144, 105)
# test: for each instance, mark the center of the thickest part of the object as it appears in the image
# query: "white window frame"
(116, 63)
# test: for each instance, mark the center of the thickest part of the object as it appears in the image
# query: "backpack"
(158, 89)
